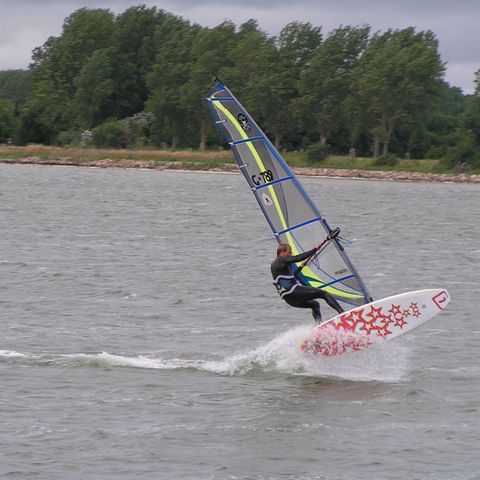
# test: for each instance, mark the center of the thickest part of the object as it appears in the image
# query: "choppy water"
(141, 336)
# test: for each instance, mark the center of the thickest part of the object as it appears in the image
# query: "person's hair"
(282, 247)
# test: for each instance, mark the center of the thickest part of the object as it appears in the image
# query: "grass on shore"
(194, 159)
(298, 159)
(91, 155)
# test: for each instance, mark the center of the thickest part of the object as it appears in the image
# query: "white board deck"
(375, 322)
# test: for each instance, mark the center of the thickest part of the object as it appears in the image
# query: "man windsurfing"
(290, 289)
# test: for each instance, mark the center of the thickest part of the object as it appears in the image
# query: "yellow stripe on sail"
(260, 164)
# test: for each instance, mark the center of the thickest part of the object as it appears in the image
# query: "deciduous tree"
(325, 85)
(398, 79)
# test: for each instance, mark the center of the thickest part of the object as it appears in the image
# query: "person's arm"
(300, 256)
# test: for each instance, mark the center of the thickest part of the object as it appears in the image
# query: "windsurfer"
(288, 286)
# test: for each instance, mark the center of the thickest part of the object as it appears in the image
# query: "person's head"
(284, 249)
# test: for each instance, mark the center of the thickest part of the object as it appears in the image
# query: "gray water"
(142, 338)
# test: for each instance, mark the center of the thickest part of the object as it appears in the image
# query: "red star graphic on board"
(369, 326)
(415, 310)
(400, 322)
(380, 322)
(346, 322)
(350, 321)
(375, 313)
(385, 322)
(406, 312)
(386, 319)
(358, 319)
(395, 310)
(384, 331)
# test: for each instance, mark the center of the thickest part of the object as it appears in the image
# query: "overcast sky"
(26, 24)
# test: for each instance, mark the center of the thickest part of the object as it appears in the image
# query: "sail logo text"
(340, 272)
(263, 177)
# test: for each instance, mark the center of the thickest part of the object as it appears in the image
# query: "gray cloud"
(26, 24)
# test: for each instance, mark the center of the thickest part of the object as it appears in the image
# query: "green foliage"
(436, 152)
(325, 85)
(131, 58)
(472, 111)
(94, 88)
(397, 80)
(109, 134)
(317, 153)
(68, 138)
(60, 67)
(298, 43)
(464, 154)
(130, 132)
(7, 121)
(388, 160)
(174, 40)
(15, 86)
(135, 129)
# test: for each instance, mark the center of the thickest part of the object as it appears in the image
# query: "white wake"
(384, 362)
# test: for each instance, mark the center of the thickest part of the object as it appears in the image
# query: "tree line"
(139, 79)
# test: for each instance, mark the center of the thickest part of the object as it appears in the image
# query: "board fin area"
(375, 322)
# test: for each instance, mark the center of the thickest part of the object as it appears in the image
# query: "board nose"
(442, 299)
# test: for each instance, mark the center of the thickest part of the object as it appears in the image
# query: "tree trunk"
(278, 140)
(389, 127)
(385, 147)
(376, 147)
(174, 140)
(203, 137)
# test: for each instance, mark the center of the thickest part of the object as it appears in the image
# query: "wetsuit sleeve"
(299, 257)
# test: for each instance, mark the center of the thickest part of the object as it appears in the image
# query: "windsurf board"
(375, 322)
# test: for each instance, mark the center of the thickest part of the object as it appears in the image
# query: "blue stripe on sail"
(336, 281)
(246, 140)
(299, 226)
(271, 183)
(340, 280)
(222, 99)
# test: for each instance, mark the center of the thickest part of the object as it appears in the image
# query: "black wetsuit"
(294, 293)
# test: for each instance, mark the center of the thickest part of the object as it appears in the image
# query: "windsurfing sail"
(291, 214)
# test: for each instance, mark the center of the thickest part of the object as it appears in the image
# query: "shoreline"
(227, 168)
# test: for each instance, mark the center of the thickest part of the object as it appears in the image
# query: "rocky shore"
(389, 176)
(314, 172)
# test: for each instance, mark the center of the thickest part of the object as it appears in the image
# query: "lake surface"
(142, 337)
